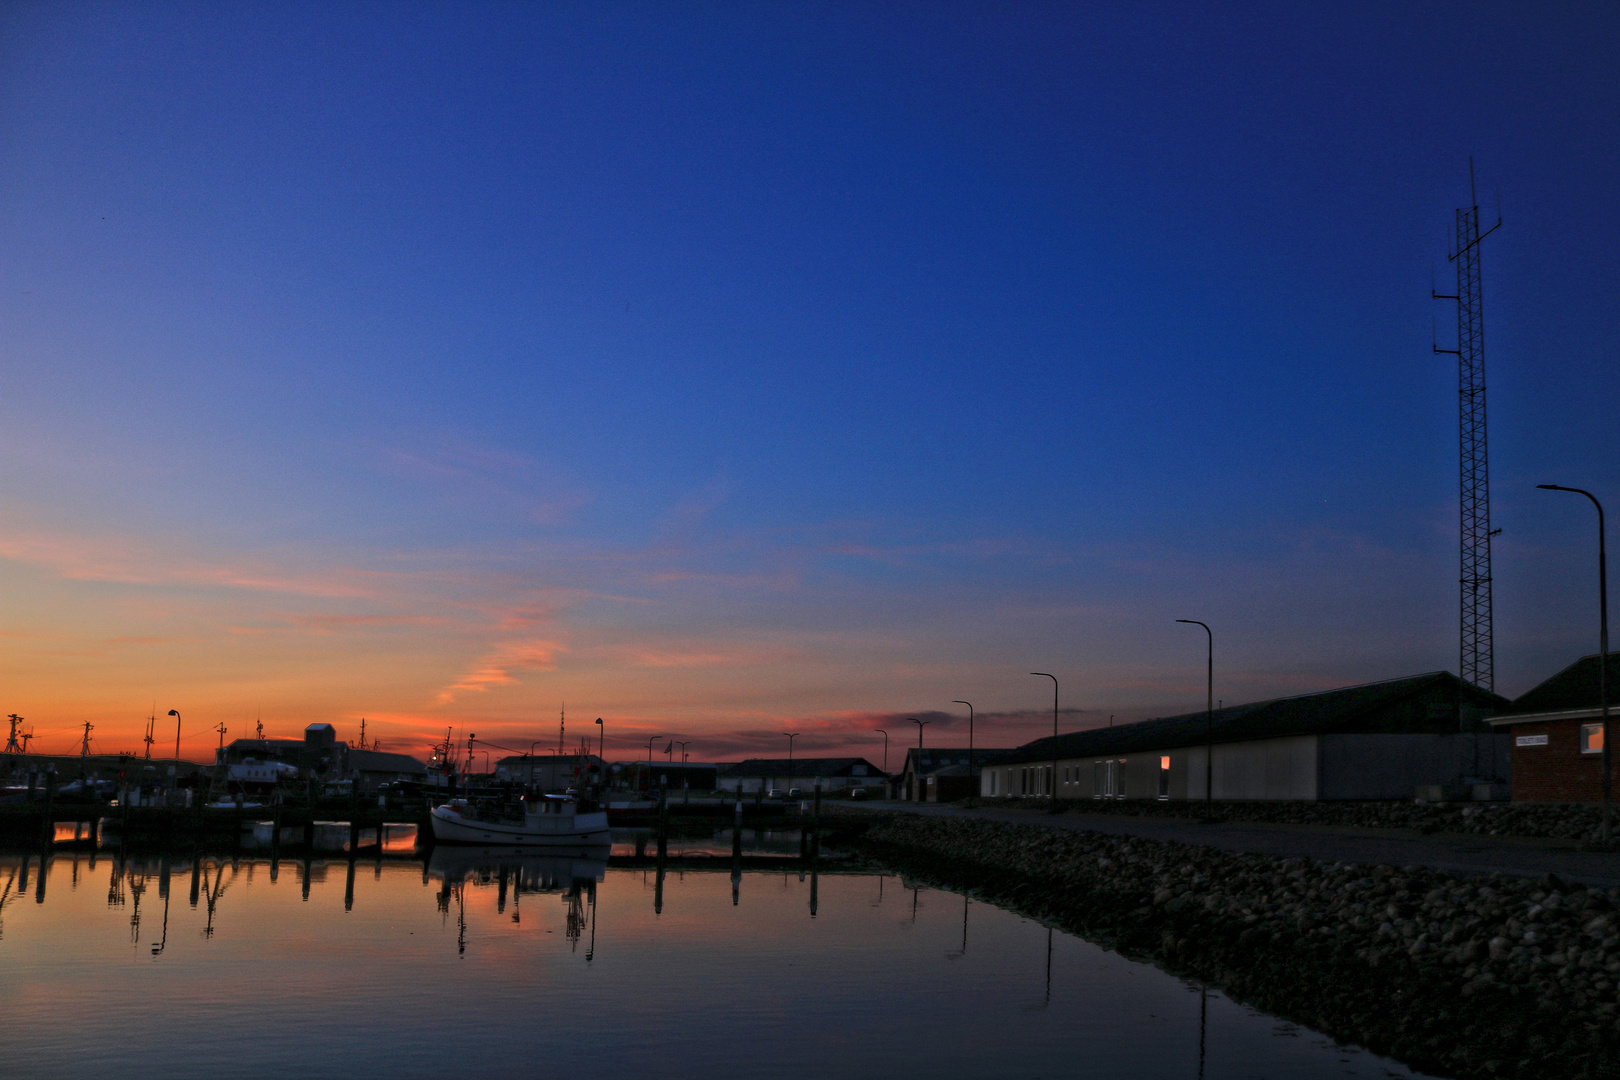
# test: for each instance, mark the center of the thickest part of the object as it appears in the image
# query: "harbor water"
(492, 964)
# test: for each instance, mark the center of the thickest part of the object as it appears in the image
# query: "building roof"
(934, 758)
(1576, 687)
(382, 761)
(806, 767)
(1398, 706)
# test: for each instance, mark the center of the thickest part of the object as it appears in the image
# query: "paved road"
(1455, 854)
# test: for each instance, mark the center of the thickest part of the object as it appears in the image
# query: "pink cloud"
(496, 669)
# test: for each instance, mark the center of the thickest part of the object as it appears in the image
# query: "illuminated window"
(1591, 738)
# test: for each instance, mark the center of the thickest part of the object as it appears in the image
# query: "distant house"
(550, 772)
(370, 769)
(949, 766)
(1557, 734)
(675, 775)
(319, 756)
(766, 774)
(1380, 740)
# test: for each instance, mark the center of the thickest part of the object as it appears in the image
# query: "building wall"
(1558, 772)
(1393, 766)
(1262, 769)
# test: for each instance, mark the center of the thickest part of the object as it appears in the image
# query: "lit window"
(1164, 763)
(1591, 738)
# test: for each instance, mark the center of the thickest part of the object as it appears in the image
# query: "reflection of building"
(941, 773)
(1378, 741)
(550, 772)
(834, 774)
(318, 756)
(1557, 730)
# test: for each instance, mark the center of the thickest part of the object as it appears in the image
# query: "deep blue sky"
(726, 366)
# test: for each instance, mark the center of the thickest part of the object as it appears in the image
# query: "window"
(1164, 777)
(1591, 738)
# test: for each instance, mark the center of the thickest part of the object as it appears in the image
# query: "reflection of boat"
(548, 821)
(535, 873)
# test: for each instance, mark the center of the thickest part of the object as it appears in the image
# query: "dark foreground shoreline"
(1467, 978)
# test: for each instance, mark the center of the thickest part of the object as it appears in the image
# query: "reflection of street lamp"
(1603, 648)
(970, 785)
(176, 716)
(1054, 732)
(1209, 722)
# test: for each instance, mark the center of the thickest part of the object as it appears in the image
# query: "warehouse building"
(1383, 740)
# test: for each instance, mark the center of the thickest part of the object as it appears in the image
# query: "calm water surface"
(470, 962)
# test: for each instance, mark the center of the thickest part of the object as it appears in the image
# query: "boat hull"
(540, 830)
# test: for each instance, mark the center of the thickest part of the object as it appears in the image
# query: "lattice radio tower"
(1477, 661)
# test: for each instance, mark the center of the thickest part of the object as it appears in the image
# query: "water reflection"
(472, 939)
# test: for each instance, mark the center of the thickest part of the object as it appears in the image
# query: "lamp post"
(1603, 650)
(1054, 732)
(885, 735)
(650, 741)
(969, 704)
(176, 716)
(1209, 718)
(791, 735)
(916, 772)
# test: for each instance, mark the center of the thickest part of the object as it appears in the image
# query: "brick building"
(1557, 732)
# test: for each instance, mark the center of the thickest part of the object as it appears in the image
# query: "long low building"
(1381, 740)
(832, 774)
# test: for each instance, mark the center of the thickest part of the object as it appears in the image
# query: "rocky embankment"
(1554, 821)
(1497, 977)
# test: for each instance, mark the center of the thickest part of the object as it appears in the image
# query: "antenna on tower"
(220, 727)
(84, 751)
(562, 722)
(151, 726)
(362, 733)
(12, 746)
(1477, 661)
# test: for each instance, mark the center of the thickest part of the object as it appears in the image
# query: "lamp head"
(174, 713)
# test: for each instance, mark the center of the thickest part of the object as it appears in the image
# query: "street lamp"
(1049, 675)
(885, 735)
(791, 735)
(1603, 649)
(176, 716)
(919, 724)
(969, 704)
(1209, 718)
(916, 772)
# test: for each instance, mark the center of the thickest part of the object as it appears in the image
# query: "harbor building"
(779, 774)
(1423, 736)
(1557, 735)
(943, 773)
(550, 772)
(320, 755)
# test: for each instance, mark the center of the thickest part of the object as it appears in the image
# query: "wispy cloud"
(496, 669)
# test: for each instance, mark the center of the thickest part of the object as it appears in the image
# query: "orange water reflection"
(373, 965)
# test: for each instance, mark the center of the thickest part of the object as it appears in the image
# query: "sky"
(724, 370)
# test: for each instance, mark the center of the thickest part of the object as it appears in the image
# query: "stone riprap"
(1553, 821)
(1460, 977)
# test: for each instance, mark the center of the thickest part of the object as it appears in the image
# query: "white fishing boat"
(549, 820)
